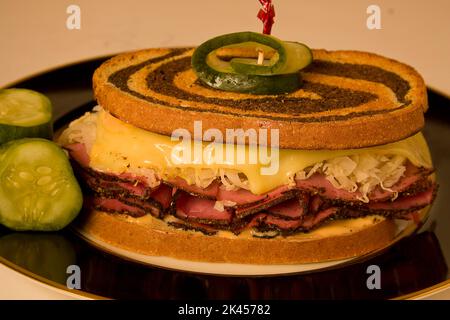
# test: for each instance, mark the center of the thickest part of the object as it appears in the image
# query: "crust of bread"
(353, 132)
(159, 239)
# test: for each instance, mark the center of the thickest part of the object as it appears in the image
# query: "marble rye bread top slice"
(349, 99)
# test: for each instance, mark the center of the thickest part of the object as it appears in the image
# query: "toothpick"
(260, 57)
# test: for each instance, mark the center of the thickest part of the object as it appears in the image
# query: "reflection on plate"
(413, 263)
(47, 254)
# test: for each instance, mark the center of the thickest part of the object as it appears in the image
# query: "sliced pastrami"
(79, 153)
(163, 195)
(130, 177)
(149, 206)
(209, 192)
(313, 221)
(112, 185)
(282, 224)
(418, 187)
(413, 178)
(129, 206)
(409, 203)
(117, 188)
(193, 226)
(273, 198)
(269, 222)
(137, 189)
(308, 205)
(319, 184)
(315, 203)
(96, 180)
(200, 209)
(116, 206)
(293, 209)
(241, 197)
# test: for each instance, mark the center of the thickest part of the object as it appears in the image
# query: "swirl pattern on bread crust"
(348, 99)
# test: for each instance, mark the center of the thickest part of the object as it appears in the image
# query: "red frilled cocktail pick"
(266, 15)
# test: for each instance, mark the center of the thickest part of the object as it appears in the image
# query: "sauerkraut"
(363, 172)
(221, 205)
(82, 130)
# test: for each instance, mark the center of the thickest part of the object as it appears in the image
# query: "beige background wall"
(34, 36)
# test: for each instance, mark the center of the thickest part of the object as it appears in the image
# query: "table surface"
(35, 38)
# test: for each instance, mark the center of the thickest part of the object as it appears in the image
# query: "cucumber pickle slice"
(38, 190)
(24, 113)
(279, 74)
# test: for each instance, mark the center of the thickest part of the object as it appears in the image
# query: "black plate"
(413, 264)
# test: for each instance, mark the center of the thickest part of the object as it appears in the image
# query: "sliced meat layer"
(130, 206)
(313, 221)
(408, 203)
(193, 226)
(273, 198)
(315, 203)
(199, 209)
(78, 152)
(318, 184)
(163, 195)
(412, 180)
(112, 185)
(115, 188)
(210, 192)
(293, 209)
(308, 205)
(116, 206)
(241, 197)
(266, 222)
(149, 206)
(281, 224)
